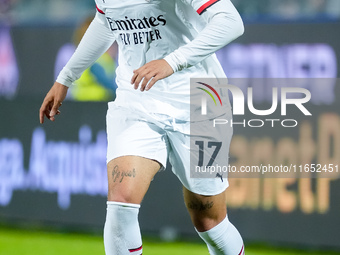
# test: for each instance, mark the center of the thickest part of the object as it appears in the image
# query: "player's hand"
(52, 102)
(147, 75)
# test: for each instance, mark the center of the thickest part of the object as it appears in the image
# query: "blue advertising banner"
(56, 173)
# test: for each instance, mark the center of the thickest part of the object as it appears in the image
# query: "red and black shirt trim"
(205, 6)
(99, 10)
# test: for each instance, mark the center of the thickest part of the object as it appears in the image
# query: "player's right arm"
(97, 39)
(52, 102)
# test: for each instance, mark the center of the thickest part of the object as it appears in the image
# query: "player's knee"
(203, 222)
(122, 197)
(206, 224)
(205, 214)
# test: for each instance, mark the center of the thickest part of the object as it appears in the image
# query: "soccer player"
(162, 44)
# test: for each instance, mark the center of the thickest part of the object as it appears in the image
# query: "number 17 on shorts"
(209, 150)
(209, 143)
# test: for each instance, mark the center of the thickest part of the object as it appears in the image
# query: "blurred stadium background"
(53, 177)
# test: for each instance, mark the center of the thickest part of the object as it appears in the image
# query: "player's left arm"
(223, 25)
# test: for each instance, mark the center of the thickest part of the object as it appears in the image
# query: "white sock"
(121, 231)
(223, 239)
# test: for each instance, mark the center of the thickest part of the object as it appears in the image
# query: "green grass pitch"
(24, 242)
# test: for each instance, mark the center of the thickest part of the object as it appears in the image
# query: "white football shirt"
(185, 33)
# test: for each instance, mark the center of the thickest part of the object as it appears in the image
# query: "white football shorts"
(160, 137)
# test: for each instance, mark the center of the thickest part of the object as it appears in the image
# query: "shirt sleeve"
(97, 40)
(223, 25)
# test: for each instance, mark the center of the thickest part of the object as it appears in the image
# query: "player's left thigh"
(205, 211)
(200, 160)
(200, 157)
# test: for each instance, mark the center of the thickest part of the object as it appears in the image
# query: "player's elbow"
(239, 27)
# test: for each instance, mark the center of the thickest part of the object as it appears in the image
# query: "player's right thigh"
(129, 178)
(137, 149)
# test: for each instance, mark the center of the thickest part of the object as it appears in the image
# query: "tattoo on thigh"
(198, 205)
(119, 176)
